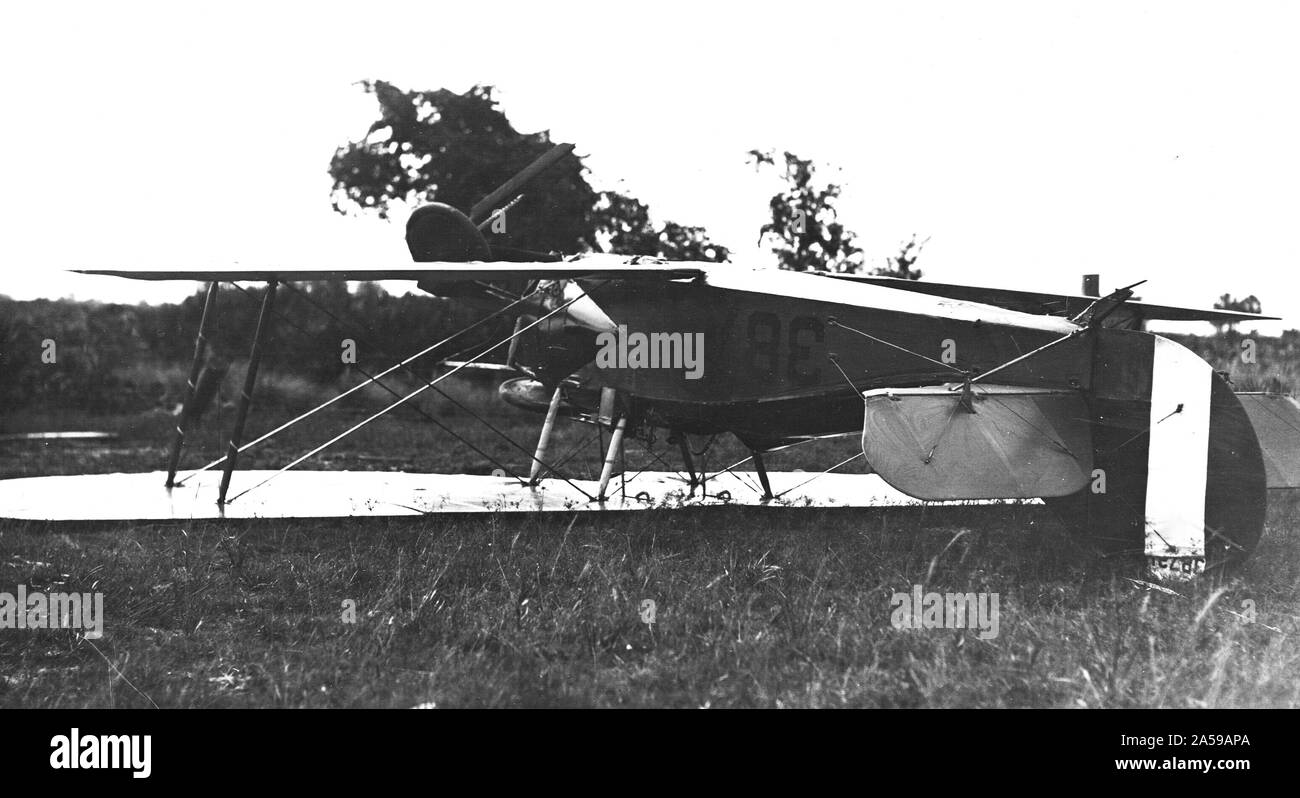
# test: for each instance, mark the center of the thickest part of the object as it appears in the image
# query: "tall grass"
(781, 608)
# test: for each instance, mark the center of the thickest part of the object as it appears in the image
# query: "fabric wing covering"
(1018, 443)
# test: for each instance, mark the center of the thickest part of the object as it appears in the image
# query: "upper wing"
(1051, 304)
(597, 267)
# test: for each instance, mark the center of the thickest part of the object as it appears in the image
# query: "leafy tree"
(624, 223)
(1248, 305)
(678, 242)
(901, 265)
(456, 148)
(804, 232)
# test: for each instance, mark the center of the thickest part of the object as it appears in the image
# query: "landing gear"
(762, 474)
(611, 457)
(544, 441)
(687, 460)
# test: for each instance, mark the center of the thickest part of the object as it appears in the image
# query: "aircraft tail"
(1157, 455)
(1276, 419)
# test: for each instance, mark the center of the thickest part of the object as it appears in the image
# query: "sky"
(1030, 142)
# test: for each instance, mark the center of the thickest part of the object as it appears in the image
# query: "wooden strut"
(246, 396)
(200, 351)
(513, 350)
(688, 461)
(762, 475)
(543, 442)
(615, 447)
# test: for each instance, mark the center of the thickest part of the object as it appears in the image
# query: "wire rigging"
(412, 395)
(349, 391)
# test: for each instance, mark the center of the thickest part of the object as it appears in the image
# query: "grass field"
(769, 608)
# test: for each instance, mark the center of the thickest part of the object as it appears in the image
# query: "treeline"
(1251, 362)
(102, 357)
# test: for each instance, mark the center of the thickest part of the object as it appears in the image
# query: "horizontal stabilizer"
(1013, 443)
(1067, 305)
(1276, 419)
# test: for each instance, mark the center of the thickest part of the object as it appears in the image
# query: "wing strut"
(246, 396)
(200, 350)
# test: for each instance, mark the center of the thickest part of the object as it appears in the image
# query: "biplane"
(959, 394)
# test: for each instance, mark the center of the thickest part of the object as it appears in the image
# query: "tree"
(624, 224)
(1248, 305)
(804, 232)
(901, 265)
(456, 148)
